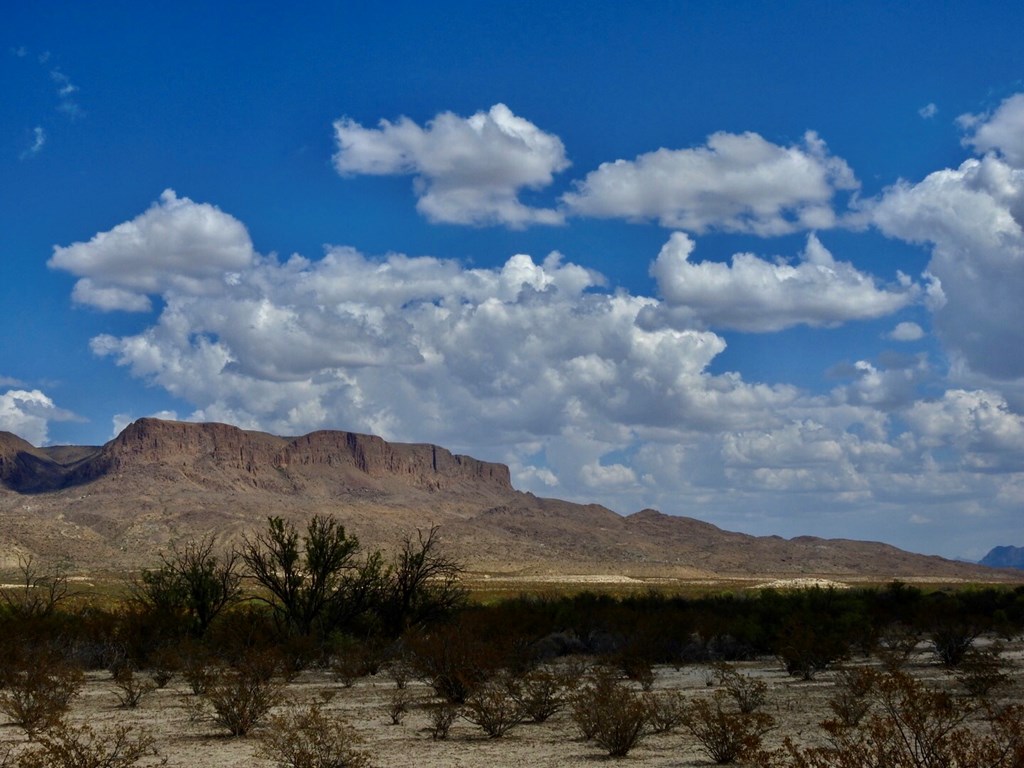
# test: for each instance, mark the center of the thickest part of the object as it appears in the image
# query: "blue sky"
(757, 263)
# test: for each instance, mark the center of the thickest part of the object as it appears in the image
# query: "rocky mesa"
(159, 483)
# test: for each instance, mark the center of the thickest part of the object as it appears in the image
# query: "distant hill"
(1004, 557)
(160, 483)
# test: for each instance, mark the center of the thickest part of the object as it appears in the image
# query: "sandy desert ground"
(185, 742)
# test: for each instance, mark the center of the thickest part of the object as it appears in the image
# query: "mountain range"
(159, 483)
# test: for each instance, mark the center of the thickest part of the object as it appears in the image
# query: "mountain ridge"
(158, 483)
(1004, 557)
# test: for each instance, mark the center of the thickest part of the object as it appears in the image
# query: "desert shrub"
(453, 662)
(915, 727)
(584, 702)
(540, 693)
(610, 713)
(197, 667)
(242, 697)
(634, 661)
(164, 665)
(747, 692)
(37, 691)
(952, 642)
(310, 739)
(350, 660)
(806, 647)
(398, 705)
(982, 670)
(851, 699)
(65, 747)
(917, 723)
(345, 670)
(725, 736)
(896, 644)
(442, 716)
(641, 670)
(199, 676)
(666, 711)
(195, 706)
(399, 670)
(492, 708)
(130, 688)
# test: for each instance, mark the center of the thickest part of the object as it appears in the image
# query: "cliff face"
(225, 456)
(423, 466)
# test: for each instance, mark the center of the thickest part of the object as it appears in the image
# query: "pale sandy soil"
(808, 583)
(798, 707)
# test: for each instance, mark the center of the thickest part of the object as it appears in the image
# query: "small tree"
(192, 582)
(38, 592)
(304, 576)
(423, 584)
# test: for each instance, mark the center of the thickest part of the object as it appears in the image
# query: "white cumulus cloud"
(467, 170)
(978, 421)
(1001, 132)
(28, 413)
(906, 331)
(753, 294)
(972, 219)
(736, 183)
(177, 246)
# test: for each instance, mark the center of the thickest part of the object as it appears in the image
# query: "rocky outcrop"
(225, 456)
(423, 466)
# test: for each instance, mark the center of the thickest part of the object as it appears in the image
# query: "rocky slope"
(159, 483)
